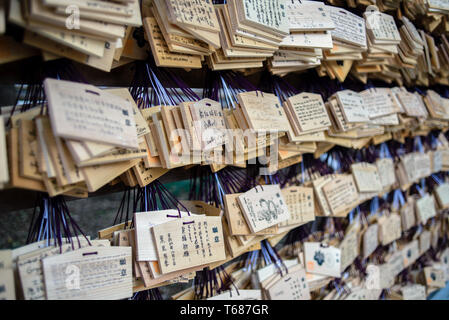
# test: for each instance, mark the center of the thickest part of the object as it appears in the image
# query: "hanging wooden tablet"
(260, 106)
(143, 268)
(444, 257)
(445, 158)
(379, 276)
(339, 124)
(300, 203)
(366, 177)
(352, 106)
(263, 207)
(118, 155)
(38, 12)
(98, 176)
(180, 246)
(209, 123)
(71, 171)
(148, 116)
(121, 9)
(412, 104)
(425, 208)
(422, 165)
(370, 239)
(30, 114)
(309, 112)
(414, 292)
(436, 105)
(435, 235)
(360, 293)
(292, 285)
(144, 221)
(7, 284)
(183, 134)
(381, 27)
(170, 129)
(341, 194)
(387, 174)
(424, 241)
(88, 46)
(44, 160)
(407, 212)
(6, 259)
(110, 121)
(199, 14)
(146, 175)
(13, 161)
(236, 246)
(271, 270)
(320, 197)
(235, 17)
(389, 228)
(436, 161)
(238, 45)
(395, 263)
(141, 124)
(78, 150)
(236, 219)
(410, 253)
(7, 276)
(321, 40)
(349, 27)
(121, 238)
(434, 277)
(162, 54)
(250, 12)
(379, 102)
(442, 195)
(408, 166)
(169, 158)
(322, 259)
(173, 277)
(30, 271)
(308, 16)
(105, 273)
(349, 246)
(55, 156)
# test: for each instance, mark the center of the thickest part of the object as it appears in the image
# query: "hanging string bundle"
(208, 283)
(31, 92)
(53, 224)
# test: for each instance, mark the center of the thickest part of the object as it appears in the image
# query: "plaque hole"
(90, 253)
(92, 92)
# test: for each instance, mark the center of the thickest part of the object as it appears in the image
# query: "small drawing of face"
(264, 213)
(263, 204)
